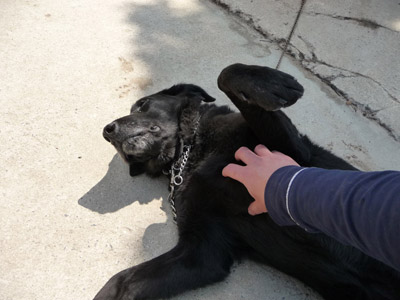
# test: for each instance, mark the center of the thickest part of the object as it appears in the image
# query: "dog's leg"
(191, 264)
(259, 93)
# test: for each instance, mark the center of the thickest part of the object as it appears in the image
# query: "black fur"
(214, 226)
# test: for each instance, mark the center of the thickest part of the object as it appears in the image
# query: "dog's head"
(148, 137)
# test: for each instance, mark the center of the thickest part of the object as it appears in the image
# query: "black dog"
(214, 226)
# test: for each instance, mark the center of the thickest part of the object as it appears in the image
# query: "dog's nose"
(110, 130)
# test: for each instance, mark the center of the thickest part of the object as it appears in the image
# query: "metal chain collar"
(177, 169)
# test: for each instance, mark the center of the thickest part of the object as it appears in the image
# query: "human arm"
(361, 209)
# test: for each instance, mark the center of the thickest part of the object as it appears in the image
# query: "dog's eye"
(139, 105)
(154, 128)
(142, 102)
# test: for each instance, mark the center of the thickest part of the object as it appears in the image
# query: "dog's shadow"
(117, 189)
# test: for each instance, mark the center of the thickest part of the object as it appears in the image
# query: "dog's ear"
(190, 91)
(136, 169)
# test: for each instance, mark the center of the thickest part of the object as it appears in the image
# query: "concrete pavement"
(352, 47)
(70, 215)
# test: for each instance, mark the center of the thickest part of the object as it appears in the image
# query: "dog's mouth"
(138, 149)
(134, 158)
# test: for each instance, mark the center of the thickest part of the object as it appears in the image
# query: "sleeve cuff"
(277, 197)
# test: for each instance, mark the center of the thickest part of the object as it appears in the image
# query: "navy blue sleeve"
(357, 208)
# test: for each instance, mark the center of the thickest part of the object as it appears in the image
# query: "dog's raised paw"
(263, 86)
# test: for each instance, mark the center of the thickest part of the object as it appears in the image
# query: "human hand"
(260, 165)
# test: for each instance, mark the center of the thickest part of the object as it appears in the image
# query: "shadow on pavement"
(173, 44)
(117, 189)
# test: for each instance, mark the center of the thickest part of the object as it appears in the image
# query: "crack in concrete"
(307, 43)
(364, 109)
(360, 21)
(385, 108)
(355, 74)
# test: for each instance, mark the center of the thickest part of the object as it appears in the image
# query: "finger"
(286, 158)
(245, 155)
(234, 171)
(261, 150)
(278, 153)
(256, 208)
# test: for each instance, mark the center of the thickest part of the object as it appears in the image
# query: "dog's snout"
(110, 130)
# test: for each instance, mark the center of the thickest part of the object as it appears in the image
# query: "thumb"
(255, 208)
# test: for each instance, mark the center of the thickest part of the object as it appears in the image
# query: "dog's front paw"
(262, 86)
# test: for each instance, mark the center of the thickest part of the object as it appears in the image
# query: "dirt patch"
(126, 65)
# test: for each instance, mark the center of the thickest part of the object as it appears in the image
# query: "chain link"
(177, 170)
